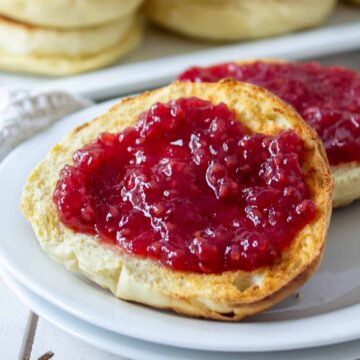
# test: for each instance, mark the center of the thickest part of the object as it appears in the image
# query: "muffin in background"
(51, 45)
(229, 20)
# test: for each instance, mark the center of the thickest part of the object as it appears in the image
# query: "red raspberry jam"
(190, 187)
(328, 98)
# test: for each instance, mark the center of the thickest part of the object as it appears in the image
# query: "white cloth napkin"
(24, 113)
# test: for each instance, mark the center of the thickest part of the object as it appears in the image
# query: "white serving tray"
(163, 56)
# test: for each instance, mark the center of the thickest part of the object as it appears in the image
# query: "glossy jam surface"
(328, 98)
(190, 187)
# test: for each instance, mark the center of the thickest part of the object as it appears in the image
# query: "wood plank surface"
(15, 324)
(50, 339)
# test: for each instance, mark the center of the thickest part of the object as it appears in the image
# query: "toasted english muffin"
(346, 176)
(237, 19)
(68, 13)
(25, 48)
(346, 183)
(231, 295)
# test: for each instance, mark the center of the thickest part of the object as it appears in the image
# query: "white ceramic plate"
(137, 349)
(163, 55)
(327, 311)
(106, 340)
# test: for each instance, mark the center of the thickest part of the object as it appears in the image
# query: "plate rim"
(46, 310)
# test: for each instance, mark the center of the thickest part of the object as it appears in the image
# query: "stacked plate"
(326, 312)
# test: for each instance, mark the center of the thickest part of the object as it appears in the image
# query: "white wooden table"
(25, 336)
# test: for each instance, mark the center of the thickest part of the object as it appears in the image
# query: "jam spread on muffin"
(190, 187)
(328, 98)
